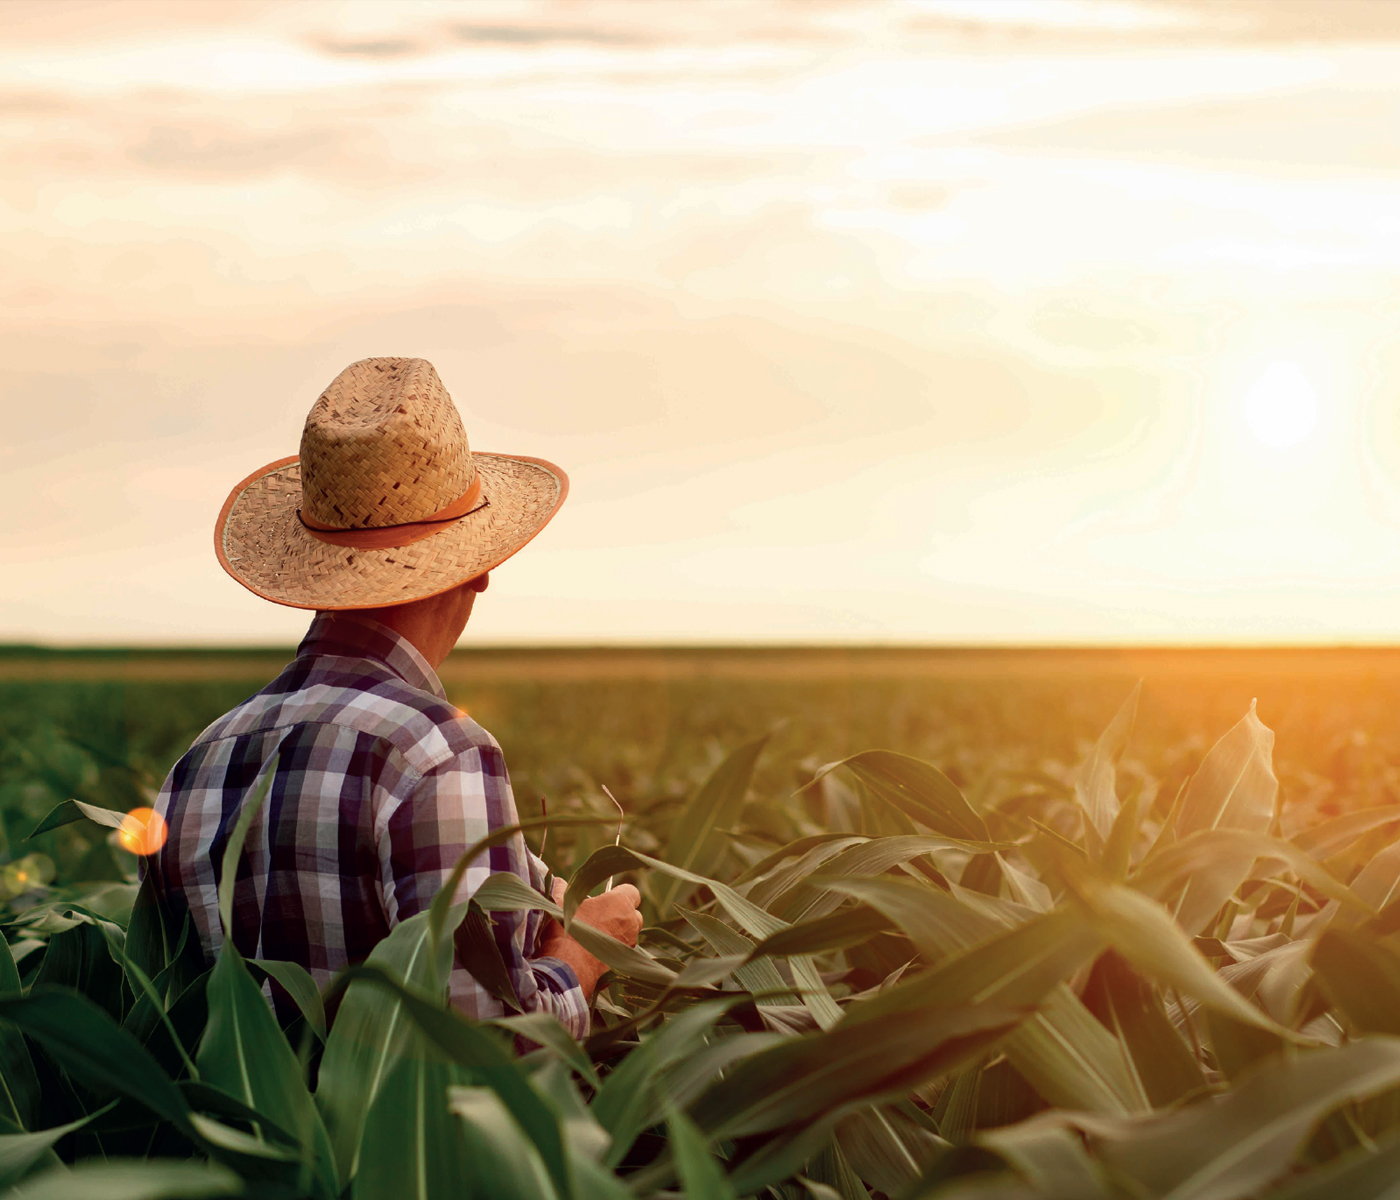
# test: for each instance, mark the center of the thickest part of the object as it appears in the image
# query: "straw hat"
(386, 502)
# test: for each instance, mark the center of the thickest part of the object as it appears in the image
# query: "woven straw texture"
(264, 545)
(384, 445)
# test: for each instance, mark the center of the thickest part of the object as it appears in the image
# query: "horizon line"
(109, 649)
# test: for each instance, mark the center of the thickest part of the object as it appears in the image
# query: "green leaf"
(206, 1098)
(936, 922)
(1333, 836)
(918, 789)
(1361, 977)
(19, 1085)
(836, 932)
(79, 958)
(19, 1152)
(627, 960)
(1051, 1158)
(298, 983)
(609, 860)
(134, 1180)
(1095, 779)
(887, 1149)
(1235, 786)
(151, 936)
(1238, 1046)
(1368, 1174)
(1018, 968)
(1240, 1143)
(471, 1047)
(505, 1164)
(815, 852)
(479, 955)
(695, 844)
(882, 1057)
(414, 1144)
(1062, 1050)
(545, 1029)
(146, 990)
(228, 873)
(1118, 849)
(701, 1176)
(244, 1053)
(370, 1032)
(870, 858)
(1166, 1068)
(84, 1040)
(758, 975)
(630, 1098)
(1377, 881)
(68, 811)
(1226, 856)
(1143, 932)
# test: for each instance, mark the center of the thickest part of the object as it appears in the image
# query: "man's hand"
(614, 913)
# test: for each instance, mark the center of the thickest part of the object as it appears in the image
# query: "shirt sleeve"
(452, 807)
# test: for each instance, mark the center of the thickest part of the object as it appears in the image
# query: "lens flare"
(143, 831)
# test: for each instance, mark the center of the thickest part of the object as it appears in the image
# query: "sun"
(1281, 406)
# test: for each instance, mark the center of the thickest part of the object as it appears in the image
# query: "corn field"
(1080, 984)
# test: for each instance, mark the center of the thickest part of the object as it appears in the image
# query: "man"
(387, 525)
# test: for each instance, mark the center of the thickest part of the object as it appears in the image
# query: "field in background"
(1093, 980)
(106, 726)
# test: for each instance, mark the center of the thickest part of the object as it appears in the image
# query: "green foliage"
(1112, 979)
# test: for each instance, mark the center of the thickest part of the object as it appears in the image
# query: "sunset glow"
(1043, 320)
(1281, 406)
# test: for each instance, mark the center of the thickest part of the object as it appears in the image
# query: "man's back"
(380, 786)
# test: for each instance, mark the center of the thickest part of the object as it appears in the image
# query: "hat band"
(386, 537)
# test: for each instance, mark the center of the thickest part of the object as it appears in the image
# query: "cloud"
(373, 48)
(1293, 20)
(547, 35)
(1328, 127)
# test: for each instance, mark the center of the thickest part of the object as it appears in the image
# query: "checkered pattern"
(381, 786)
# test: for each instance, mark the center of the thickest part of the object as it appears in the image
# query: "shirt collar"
(352, 636)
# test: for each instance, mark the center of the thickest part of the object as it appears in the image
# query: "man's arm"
(451, 808)
(614, 913)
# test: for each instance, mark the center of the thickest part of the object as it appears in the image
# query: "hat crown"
(384, 445)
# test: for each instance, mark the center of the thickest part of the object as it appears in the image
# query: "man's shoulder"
(360, 696)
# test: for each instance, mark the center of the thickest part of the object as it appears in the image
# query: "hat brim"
(262, 543)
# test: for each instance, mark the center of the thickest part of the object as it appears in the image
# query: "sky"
(936, 321)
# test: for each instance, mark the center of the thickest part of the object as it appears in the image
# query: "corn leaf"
(696, 844)
(370, 1033)
(84, 1040)
(917, 789)
(20, 1152)
(1144, 933)
(1238, 1144)
(114, 1179)
(1361, 977)
(503, 1162)
(701, 1176)
(19, 1085)
(414, 1145)
(1095, 779)
(882, 1057)
(471, 1047)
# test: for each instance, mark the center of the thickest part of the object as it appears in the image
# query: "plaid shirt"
(381, 786)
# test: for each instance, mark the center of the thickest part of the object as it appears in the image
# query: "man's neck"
(431, 626)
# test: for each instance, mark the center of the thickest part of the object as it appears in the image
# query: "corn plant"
(875, 987)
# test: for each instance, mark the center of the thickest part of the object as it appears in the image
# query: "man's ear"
(480, 583)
